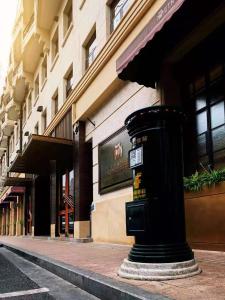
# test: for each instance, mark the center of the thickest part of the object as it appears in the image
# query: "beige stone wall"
(108, 217)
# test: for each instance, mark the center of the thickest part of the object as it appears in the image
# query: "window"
(67, 16)
(55, 104)
(24, 113)
(44, 70)
(91, 50)
(68, 81)
(11, 144)
(44, 121)
(55, 44)
(207, 94)
(36, 88)
(36, 128)
(29, 104)
(118, 9)
(17, 132)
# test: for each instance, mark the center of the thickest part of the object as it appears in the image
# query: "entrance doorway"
(66, 204)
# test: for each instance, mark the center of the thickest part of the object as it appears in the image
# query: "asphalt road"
(21, 279)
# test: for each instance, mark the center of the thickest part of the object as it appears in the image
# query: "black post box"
(156, 215)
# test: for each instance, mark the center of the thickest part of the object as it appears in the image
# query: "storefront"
(181, 53)
(48, 159)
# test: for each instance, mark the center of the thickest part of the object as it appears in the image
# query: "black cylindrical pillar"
(156, 216)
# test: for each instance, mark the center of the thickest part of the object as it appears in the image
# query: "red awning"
(163, 15)
(16, 190)
(13, 191)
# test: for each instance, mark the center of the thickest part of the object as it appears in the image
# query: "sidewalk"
(105, 259)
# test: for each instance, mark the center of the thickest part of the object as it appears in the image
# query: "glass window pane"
(219, 160)
(201, 144)
(200, 101)
(201, 122)
(217, 114)
(204, 161)
(218, 137)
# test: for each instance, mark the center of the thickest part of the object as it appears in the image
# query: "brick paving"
(105, 259)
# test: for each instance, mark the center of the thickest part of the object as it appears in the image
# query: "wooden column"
(83, 183)
(53, 199)
(33, 207)
(66, 204)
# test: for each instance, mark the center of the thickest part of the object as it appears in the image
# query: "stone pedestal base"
(81, 229)
(158, 271)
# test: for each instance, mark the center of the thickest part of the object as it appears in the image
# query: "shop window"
(118, 9)
(55, 44)
(207, 94)
(44, 121)
(90, 50)
(67, 16)
(36, 88)
(44, 70)
(55, 103)
(68, 82)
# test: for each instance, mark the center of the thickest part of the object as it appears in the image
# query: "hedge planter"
(205, 217)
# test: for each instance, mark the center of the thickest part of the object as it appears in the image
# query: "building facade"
(76, 71)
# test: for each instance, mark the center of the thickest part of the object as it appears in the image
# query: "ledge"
(54, 61)
(67, 34)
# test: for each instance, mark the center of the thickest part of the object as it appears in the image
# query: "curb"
(101, 286)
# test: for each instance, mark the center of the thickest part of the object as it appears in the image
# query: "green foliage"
(197, 181)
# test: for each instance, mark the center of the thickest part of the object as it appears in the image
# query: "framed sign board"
(114, 171)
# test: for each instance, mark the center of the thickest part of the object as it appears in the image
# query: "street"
(21, 279)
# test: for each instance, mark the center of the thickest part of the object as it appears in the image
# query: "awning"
(17, 181)
(12, 193)
(174, 29)
(40, 150)
(16, 191)
(163, 15)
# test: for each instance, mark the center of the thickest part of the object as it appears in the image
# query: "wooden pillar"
(66, 204)
(3, 221)
(53, 199)
(33, 207)
(83, 183)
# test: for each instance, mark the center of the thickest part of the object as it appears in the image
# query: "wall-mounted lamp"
(40, 108)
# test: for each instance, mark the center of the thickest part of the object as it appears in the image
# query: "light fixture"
(40, 108)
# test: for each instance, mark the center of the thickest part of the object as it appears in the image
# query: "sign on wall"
(114, 171)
